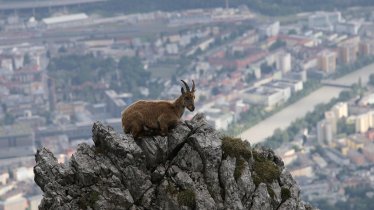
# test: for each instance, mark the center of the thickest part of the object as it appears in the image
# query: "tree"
(26, 59)
(265, 68)
(371, 79)
(278, 44)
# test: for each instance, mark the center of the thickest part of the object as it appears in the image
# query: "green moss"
(239, 167)
(285, 194)
(187, 198)
(171, 189)
(266, 170)
(235, 147)
(256, 180)
(271, 192)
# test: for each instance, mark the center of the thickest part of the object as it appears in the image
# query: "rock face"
(195, 167)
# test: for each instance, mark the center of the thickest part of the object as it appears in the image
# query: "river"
(285, 117)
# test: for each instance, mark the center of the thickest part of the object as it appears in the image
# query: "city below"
(301, 85)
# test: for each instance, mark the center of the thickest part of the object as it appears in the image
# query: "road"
(285, 117)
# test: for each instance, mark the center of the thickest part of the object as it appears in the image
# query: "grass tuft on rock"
(239, 167)
(285, 194)
(235, 147)
(171, 189)
(271, 192)
(265, 170)
(187, 198)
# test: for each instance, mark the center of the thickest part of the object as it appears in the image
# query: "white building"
(340, 110)
(283, 62)
(348, 28)
(266, 96)
(270, 29)
(65, 21)
(324, 20)
(324, 132)
(218, 119)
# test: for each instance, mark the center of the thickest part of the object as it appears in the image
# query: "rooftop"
(65, 18)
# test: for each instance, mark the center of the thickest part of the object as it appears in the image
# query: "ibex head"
(188, 96)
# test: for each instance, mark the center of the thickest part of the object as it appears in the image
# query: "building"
(296, 85)
(367, 47)
(348, 53)
(65, 21)
(4, 177)
(340, 110)
(14, 202)
(327, 61)
(269, 30)
(348, 28)
(219, 119)
(283, 62)
(34, 201)
(324, 20)
(266, 96)
(324, 132)
(303, 171)
(16, 140)
(356, 157)
(116, 102)
(364, 122)
(332, 120)
(368, 151)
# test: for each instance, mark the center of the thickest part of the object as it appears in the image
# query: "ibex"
(157, 115)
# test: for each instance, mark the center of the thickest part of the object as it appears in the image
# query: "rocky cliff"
(195, 167)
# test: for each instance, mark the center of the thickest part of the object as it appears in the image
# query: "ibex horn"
(185, 84)
(193, 86)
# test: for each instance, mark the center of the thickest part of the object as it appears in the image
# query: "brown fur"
(156, 115)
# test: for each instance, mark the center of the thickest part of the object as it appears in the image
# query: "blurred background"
(293, 75)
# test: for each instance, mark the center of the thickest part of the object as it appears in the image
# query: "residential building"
(324, 132)
(269, 30)
(350, 28)
(364, 122)
(324, 20)
(16, 140)
(218, 119)
(340, 110)
(269, 97)
(306, 171)
(283, 62)
(332, 119)
(327, 61)
(348, 53)
(4, 177)
(367, 47)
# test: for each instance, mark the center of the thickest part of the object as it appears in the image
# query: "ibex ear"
(182, 90)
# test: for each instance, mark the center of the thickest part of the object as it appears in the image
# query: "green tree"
(26, 59)
(371, 79)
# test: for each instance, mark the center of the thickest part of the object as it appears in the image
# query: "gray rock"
(231, 189)
(185, 170)
(261, 198)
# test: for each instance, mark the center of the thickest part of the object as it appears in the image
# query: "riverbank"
(285, 117)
